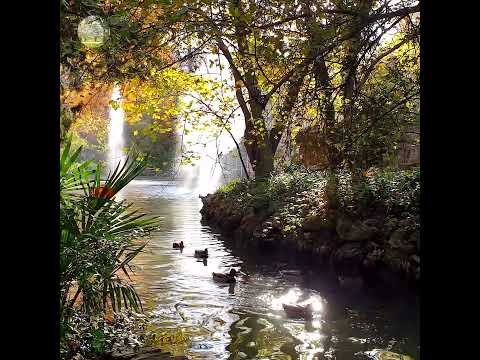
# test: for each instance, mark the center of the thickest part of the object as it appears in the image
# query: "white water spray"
(206, 174)
(116, 141)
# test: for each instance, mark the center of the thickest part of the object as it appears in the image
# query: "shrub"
(97, 240)
(396, 190)
(232, 186)
(92, 336)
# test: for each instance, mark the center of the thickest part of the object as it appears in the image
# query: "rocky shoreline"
(147, 353)
(362, 247)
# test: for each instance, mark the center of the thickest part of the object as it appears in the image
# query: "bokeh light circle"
(93, 32)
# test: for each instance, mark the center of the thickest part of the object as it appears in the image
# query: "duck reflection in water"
(204, 261)
(231, 289)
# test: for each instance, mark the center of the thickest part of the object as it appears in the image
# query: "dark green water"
(246, 321)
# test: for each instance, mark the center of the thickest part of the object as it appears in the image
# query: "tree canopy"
(344, 74)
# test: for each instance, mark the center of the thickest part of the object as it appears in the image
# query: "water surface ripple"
(246, 320)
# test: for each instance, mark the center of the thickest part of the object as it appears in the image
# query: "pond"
(246, 320)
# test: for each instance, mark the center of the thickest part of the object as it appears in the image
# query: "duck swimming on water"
(225, 278)
(201, 253)
(178, 245)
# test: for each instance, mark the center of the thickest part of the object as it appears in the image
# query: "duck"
(297, 311)
(225, 278)
(201, 253)
(178, 245)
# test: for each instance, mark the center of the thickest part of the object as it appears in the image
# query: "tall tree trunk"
(257, 142)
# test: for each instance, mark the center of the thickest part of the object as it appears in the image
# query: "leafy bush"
(93, 336)
(398, 191)
(98, 236)
(232, 186)
(262, 192)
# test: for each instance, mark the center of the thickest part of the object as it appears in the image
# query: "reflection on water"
(246, 320)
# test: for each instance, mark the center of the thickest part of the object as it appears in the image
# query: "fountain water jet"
(116, 140)
(205, 175)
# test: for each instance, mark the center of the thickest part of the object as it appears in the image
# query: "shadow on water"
(246, 320)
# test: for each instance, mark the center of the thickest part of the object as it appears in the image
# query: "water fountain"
(116, 140)
(205, 175)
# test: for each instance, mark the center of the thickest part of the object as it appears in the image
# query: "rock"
(354, 231)
(371, 260)
(325, 249)
(417, 273)
(415, 239)
(249, 222)
(304, 245)
(397, 236)
(206, 199)
(276, 224)
(398, 240)
(231, 222)
(371, 246)
(391, 224)
(317, 223)
(415, 258)
(308, 236)
(372, 223)
(407, 222)
(348, 257)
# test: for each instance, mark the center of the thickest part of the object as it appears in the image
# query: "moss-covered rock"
(350, 230)
(374, 221)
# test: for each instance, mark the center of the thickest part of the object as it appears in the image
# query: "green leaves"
(178, 15)
(73, 175)
(97, 234)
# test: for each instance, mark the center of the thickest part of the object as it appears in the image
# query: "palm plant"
(97, 241)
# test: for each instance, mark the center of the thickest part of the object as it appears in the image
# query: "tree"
(315, 55)
(355, 96)
(274, 47)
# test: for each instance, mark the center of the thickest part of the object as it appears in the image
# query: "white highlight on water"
(116, 140)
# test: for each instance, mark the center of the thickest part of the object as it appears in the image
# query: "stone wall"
(350, 247)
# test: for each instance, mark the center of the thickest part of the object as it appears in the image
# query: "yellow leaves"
(295, 131)
(135, 133)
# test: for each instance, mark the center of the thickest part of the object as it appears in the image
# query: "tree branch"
(401, 12)
(379, 58)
